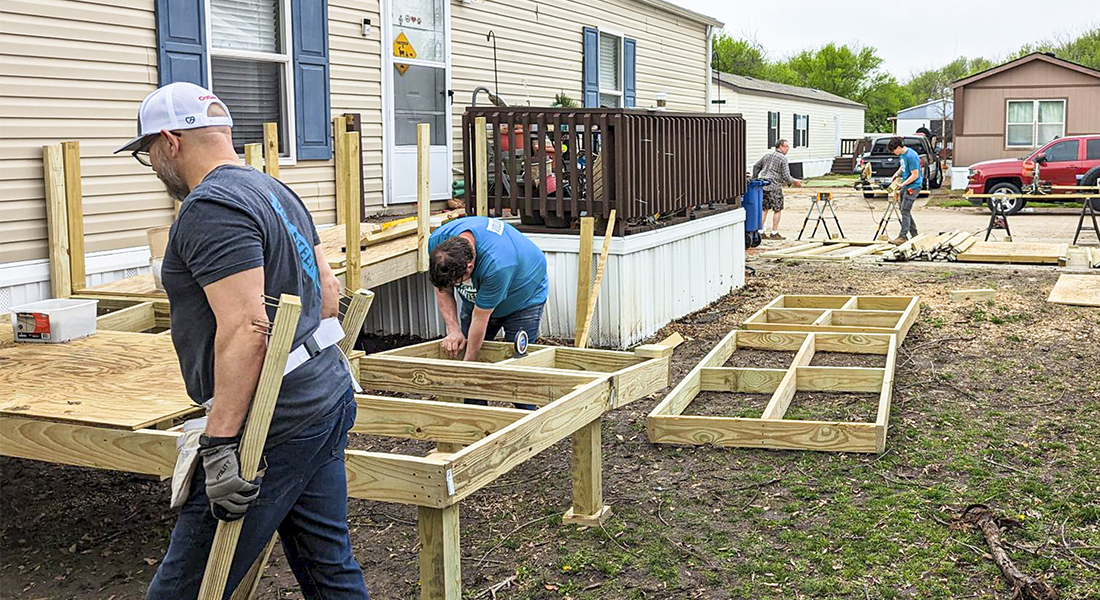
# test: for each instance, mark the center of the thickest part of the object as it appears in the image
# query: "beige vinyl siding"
(755, 107)
(78, 70)
(540, 52)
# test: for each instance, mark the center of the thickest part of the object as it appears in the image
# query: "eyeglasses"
(142, 153)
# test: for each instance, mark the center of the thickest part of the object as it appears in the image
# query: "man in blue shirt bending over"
(500, 276)
(909, 172)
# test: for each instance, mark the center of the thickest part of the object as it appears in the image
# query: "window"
(1062, 151)
(1031, 123)
(801, 131)
(420, 85)
(611, 71)
(250, 66)
(1092, 149)
(773, 129)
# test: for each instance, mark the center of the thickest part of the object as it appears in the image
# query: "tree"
(839, 70)
(738, 56)
(1083, 49)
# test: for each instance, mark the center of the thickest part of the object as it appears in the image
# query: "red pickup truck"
(1072, 160)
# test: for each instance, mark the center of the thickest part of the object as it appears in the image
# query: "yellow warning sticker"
(401, 67)
(402, 47)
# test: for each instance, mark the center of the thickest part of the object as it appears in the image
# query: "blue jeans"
(908, 198)
(303, 496)
(525, 319)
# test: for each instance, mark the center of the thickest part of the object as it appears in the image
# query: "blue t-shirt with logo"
(910, 161)
(509, 269)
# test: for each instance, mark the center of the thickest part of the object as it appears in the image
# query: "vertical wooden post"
(339, 142)
(423, 194)
(353, 277)
(246, 589)
(53, 167)
(581, 338)
(440, 554)
(271, 149)
(74, 203)
(254, 156)
(587, 457)
(481, 167)
(584, 272)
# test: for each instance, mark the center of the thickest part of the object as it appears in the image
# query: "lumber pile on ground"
(932, 246)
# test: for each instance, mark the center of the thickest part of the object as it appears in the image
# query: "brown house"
(1011, 109)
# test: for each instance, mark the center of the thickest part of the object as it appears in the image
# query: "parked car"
(1071, 160)
(884, 164)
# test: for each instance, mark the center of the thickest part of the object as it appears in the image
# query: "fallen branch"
(1024, 587)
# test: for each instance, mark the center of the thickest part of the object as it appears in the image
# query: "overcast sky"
(951, 28)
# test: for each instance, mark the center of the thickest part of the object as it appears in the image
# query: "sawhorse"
(998, 219)
(892, 210)
(821, 201)
(1090, 210)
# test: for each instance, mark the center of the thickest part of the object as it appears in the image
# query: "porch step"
(843, 164)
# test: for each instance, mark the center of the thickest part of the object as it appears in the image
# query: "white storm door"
(416, 79)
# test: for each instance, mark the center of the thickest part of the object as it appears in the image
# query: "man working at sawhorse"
(241, 235)
(774, 167)
(909, 172)
(501, 277)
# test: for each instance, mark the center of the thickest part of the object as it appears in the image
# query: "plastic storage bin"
(53, 321)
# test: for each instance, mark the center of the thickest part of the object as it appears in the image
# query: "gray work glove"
(229, 494)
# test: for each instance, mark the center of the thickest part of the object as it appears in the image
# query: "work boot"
(898, 240)
(775, 236)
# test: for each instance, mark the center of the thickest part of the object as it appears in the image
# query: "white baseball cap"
(176, 106)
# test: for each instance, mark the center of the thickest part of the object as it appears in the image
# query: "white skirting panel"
(650, 279)
(29, 281)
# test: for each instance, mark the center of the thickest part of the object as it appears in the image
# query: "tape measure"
(521, 343)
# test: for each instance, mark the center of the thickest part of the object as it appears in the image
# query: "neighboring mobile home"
(1012, 109)
(812, 121)
(933, 115)
(77, 70)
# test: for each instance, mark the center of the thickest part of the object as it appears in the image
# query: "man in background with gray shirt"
(240, 235)
(774, 167)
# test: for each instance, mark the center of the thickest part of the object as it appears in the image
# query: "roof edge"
(840, 102)
(1022, 60)
(676, 9)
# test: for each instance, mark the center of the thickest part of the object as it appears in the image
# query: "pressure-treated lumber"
(340, 166)
(74, 202)
(252, 441)
(57, 221)
(978, 294)
(440, 554)
(586, 469)
(1015, 252)
(353, 276)
(1080, 290)
(355, 314)
(251, 580)
(666, 423)
(481, 167)
(147, 452)
(590, 307)
(254, 156)
(872, 315)
(435, 421)
(423, 194)
(584, 277)
(271, 149)
(139, 317)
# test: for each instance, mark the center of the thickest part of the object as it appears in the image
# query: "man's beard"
(170, 177)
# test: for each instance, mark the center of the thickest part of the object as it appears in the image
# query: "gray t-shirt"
(238, 219)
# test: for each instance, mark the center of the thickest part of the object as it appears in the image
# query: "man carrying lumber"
(500, 276)
(909, 174)
(239, 236)
(774, 167)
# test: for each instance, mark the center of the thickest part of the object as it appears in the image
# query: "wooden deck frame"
(826, 250)
(576, 387)
(838, 314)
(667, 423)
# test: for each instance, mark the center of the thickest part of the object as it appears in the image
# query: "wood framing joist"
(668, 424)
(837, 314)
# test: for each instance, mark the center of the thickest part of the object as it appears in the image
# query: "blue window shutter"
(590, 72)
(309, 19)
(181, 41)
(630, 90)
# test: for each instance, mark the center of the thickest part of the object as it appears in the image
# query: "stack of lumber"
(1093, 256)
(932, 246)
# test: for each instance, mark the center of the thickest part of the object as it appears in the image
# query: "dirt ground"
(994, 402)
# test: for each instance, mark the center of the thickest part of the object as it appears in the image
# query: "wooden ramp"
(1078, 290)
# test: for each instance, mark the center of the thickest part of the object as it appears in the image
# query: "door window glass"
(419, 24)
(1062, 151)
(419, 96)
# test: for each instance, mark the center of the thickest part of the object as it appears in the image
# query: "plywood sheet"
(1015, 252)
(1079, 290)
(111, 379)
